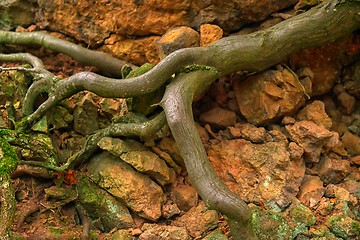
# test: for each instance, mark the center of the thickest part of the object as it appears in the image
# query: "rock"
(217, 234)
(249, 132)
(209, 33)
(137, 51)
(270, 225)
(219, 117)
(355, 160)
(343, 226)
(311, 191)
(315, 112)
(351, 143)
(332, 170)
(268, 96)
(169, 146)
(177, 38)
(92, 22)
(198, 220)
(185, 197)
(136, 190)
(10, 17)
(139, 157)
(295, 150)
(170, 209)
(347, 102)
(301, 217)
(325, 62)
(310, 137)
(259, 173)
(86, 115)
(100, 204)
(121, 234)
(158, 232)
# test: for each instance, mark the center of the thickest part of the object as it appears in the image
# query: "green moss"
(8, 157)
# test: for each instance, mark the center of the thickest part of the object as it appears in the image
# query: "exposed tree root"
(195, 68)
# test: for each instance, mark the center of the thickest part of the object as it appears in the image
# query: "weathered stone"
(169, 146)
(310, 137)
(325, 62)
(311, 191)
(268, 96)
(217, 234)
(315, 112)
(170, 209)
(219, 117)
(92, 22)
(198, 220)
(150, 164)
(121, 234)
(177, 38)
(343, 226)
(10, 17)
(347, 102)
(259, 173)
(351, 143)
(158, 232)
(136, 190)
(333, 170)
(100, 204)
(137, 51)
(270, 225)
(301, 216)
(295, 150)
(140, 157)
(185, 197)
(249, 132)
(209, 33)
(86, 115)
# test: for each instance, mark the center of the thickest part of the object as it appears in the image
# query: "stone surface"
(347, 102)
(311, 191)
(92, 22)
(139, 157)
(209, 33)
(259, 173)
(86, 115)
(333, 170)
(10, 17)
(248, 132)
(310, 137)
(219, 117)
(137, 51)
(136, 190)
(169, 146)
(198, 220)
(101, 205)
(315, 112)
(351, 143)
(185, 197)
(269, 96)
(158, 232)
(177, 38)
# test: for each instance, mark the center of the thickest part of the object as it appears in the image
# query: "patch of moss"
(8, 157)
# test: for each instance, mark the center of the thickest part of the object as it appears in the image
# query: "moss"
(195, 67)
(8, 157)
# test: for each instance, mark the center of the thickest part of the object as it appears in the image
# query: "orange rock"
(209, 33)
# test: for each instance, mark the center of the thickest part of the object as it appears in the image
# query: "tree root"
(195, 68)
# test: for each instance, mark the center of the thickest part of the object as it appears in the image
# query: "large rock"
(136, 190)
(15, 13)
(259, 173)
(94, 21)
(311, 137)
(268, 96)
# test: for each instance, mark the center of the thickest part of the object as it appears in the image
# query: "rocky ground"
(286, 140)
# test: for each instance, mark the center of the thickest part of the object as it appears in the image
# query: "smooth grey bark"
(197, 68)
